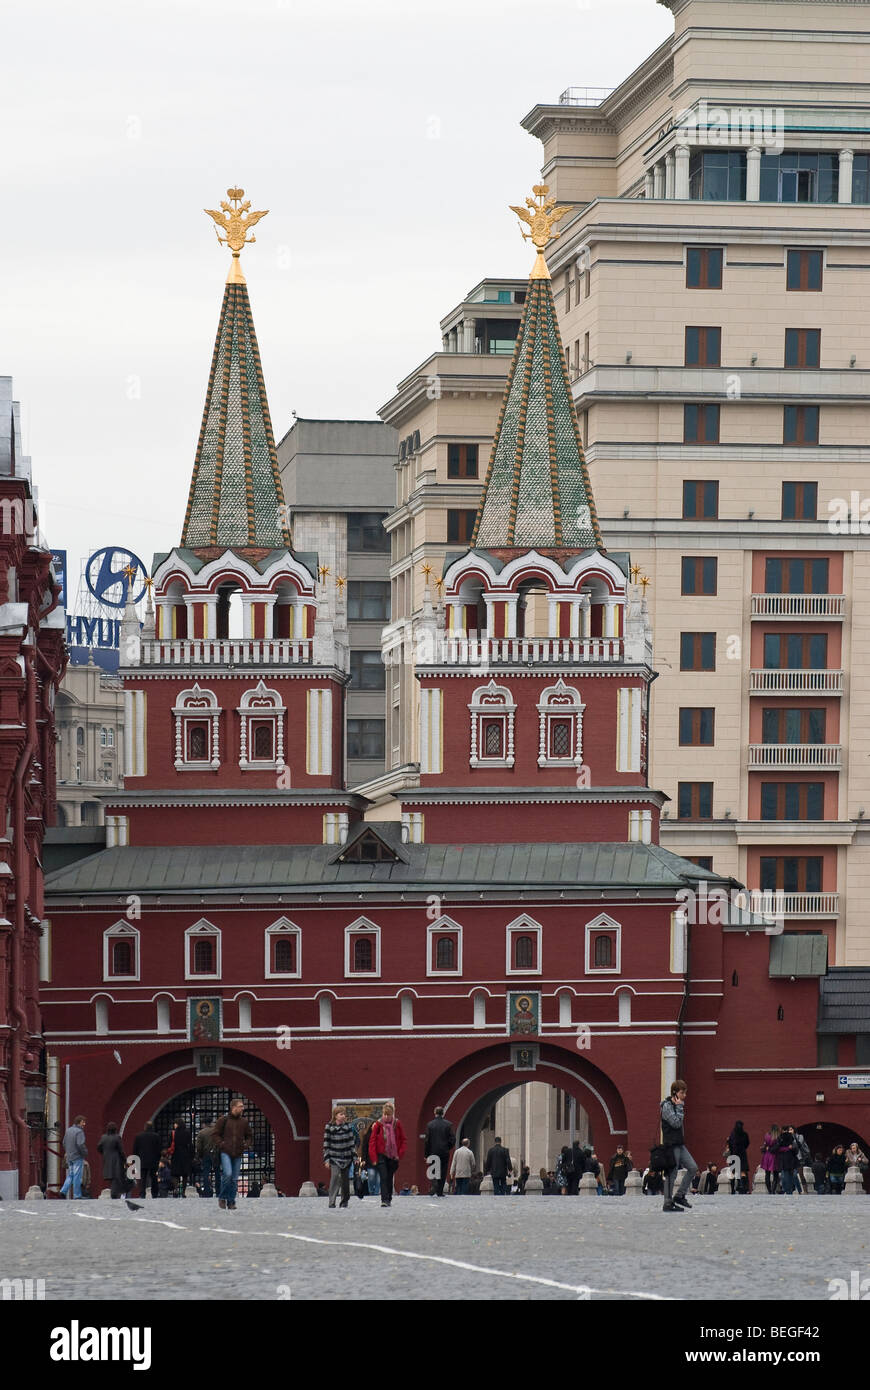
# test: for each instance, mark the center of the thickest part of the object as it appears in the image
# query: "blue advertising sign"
(58, 560)
(105, 577)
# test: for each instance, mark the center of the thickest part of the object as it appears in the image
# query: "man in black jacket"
(146, 1146)
(672, 1137)
(440, 1139)
(498, 1164)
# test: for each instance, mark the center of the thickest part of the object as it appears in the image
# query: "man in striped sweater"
(339, 1142)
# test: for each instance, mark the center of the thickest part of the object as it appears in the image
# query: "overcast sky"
(384, 137)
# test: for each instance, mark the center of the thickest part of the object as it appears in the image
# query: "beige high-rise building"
(711, 282)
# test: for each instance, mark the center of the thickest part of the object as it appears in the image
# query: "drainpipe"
(684, 1001)
(16, 1085)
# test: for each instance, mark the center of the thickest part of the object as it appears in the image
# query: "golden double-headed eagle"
(541, 217)
(235, 219)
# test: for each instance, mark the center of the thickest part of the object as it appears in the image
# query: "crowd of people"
(362, 1156)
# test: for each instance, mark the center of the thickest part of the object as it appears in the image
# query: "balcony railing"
(780, 904)
(830, 606)
(781, 681)
(795, 757)
(226, 651)
(508, 651)
(584, 96)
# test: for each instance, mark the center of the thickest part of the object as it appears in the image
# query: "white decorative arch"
(261, 704)
(197, 704)
(231, 566)
(556, 702)
(495, 704)
(524, 925)
(201, 928)
(533, 564)
(282, 930)
(123, 931)
(191, 1066)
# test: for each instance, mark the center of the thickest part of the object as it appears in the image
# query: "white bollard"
(854, 1184)
(588, 1185)
(633, 1184)
(759, 1183)
(308, 1190)
(534, 1185)
(36, 1194)
(268, 1190)
(486, 1186)
(723, 1182)
(106, 1194)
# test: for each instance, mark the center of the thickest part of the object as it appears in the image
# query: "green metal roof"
(235, 492)
(311, 869)
(844, 1000)
(537, 492)
(798, 954)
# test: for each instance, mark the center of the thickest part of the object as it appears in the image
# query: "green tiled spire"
(537, 493)
(236, 501)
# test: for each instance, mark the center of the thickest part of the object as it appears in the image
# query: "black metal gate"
(203, 1106)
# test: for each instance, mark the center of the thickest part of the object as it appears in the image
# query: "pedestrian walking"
(440, 1138)
(653, 1182)
(564, 1169)
(578, 1168)
(738, 1144)
(115, 1164)
(820, 1175)
(208, 1157)
(837, 1170)
(769, 1147)
(525, 1174)
(339, 1143)
(387, 1146)
(76, 1151)
(856, 1158)
(181, 1155)
(367, 1167)
(499, 1166)
(620, 1167)
(786, 1160)
(232, 1134)
(462, 1168)
(672, 1112)
(146, 1147)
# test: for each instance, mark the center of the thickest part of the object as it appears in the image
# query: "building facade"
(89, 717)
(337, 478)
(32, 662)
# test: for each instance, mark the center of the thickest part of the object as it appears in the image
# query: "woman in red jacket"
(387, 1145)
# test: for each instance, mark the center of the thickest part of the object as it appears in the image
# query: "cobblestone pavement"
(731, 1248)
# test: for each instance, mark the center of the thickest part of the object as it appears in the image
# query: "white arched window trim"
(603, 924)
(361, 927)
(490, 702)
(523, 926)
(121, 931)
(445, 926)
(560, 701)
(283, 930)
(262, 705)
(197, 705)
(201, 928)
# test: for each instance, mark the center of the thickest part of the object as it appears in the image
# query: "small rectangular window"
(460, 526)
(799, 501)
(704, 268)
(700, 500)
(699, 574)
(792, 801)
(700, 424)
(697, 651)
(703, 347)
(367, 670)
(695, 801)
(800, 424)
(696, 728)
(365, 531)
(462, 460)
(365, 738)
(803, 347)
(803, 270)
(368, 600)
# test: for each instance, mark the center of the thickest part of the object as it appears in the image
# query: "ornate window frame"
(201, 928)
(556, 702)
(282, 929)
(523, 925)
(602, 925)
(197, 705)
(266, 705)
(444, 926)
(125, 932)
(362, 926)
(492, 701)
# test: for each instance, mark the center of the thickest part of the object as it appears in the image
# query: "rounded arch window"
(524, 953)
(603, 952)
(445, 953)
(363, 955)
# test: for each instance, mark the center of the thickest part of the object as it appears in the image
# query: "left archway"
(204, 1104)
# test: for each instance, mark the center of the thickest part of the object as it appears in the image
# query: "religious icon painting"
(204, 1020)
(524, 1014)
(524, 1057)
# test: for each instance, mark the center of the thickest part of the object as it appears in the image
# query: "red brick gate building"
(247, 928)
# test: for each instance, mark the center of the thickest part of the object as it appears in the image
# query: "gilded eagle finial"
(235, 219)
(540, 215)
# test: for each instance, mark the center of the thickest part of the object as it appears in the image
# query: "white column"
(165, 620)
(468, 335)
(649, 184)
(845, 194)
(610, 617)
(247, 626)
(552, 616)
(659, 179)
(586, 615)
(575, 612)
(669, 1069)
(669, 175)
(511, 615)
(753, 174)
(681, 180)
